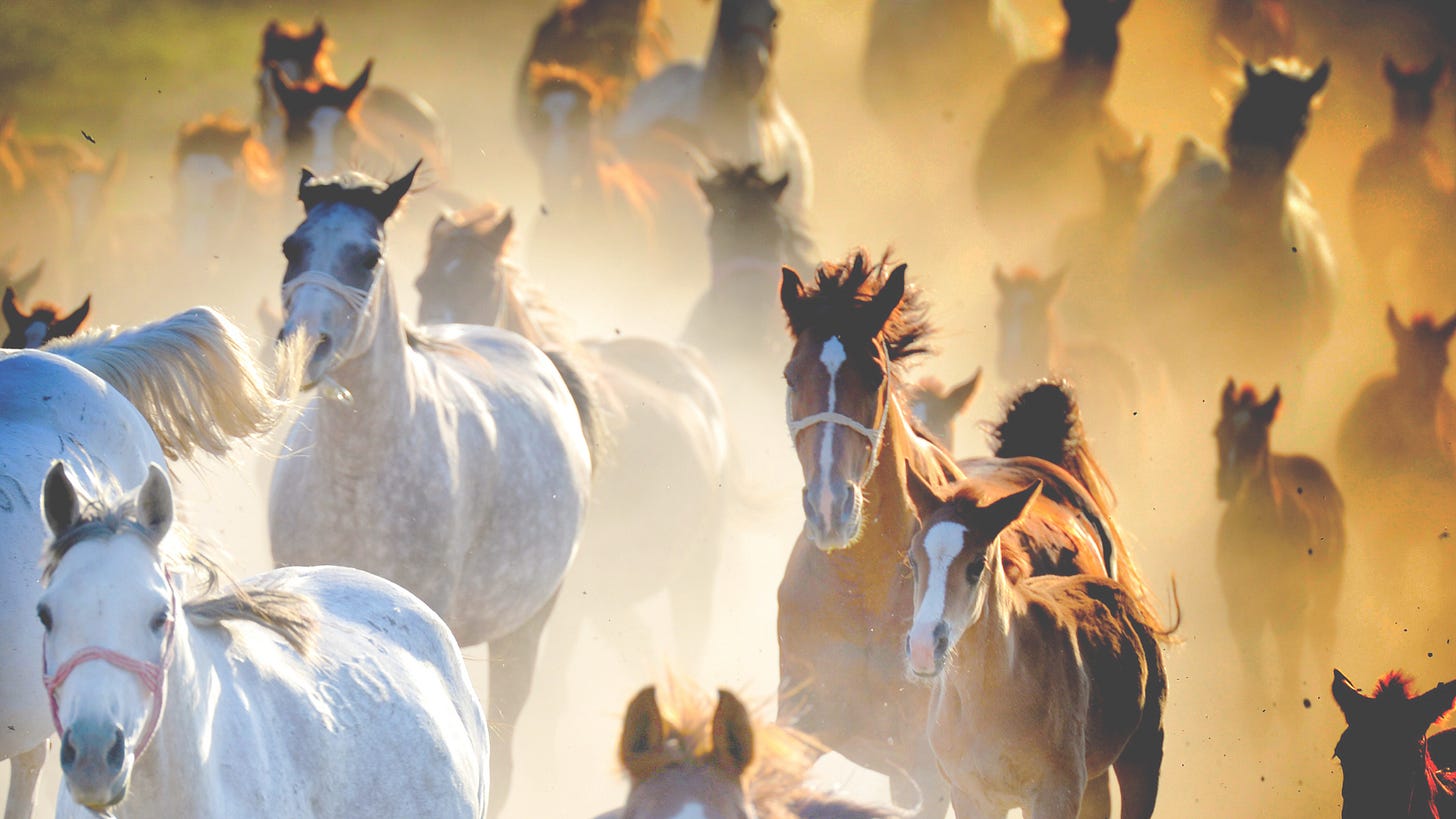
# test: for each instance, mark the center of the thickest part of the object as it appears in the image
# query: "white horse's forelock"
(192, 376)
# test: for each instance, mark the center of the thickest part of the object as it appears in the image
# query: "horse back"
(1061, 535)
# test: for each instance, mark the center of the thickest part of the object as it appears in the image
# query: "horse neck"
(380, 379)
(172, 771)
(516, 314)
(886, 491)
(1260, 488)
(1257, 194)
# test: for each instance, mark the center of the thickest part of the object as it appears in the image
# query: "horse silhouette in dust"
(1392, 768)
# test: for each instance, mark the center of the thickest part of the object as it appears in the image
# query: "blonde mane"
(193, 377)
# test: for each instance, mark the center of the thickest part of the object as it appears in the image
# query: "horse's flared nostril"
(942, 639)
(116, 754)
(68, 751)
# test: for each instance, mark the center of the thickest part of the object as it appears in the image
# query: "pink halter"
(152, 675)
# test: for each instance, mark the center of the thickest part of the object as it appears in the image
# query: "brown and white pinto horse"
(1392, 769)
(1040, 684)
(44, 323)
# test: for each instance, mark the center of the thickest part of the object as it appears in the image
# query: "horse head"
(1421, 348)
(1024, 319)
(1272, 115)
(321, 118)
(675, 772)
(462, 267)
(335, 262)
(746, 222)
(45, 322)
(1383, 748)
(1413, 88)
(1243, 436)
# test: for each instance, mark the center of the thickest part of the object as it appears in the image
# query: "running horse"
(729, 108)
(225, 184)
(455, 461)
(107, 403)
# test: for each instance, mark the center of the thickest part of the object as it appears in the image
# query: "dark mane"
(839, 293)
(1395, 685)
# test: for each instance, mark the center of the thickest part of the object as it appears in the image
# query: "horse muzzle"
(925, 648)
(96, 763)
(832, 516)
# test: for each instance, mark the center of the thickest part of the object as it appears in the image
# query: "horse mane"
(193, 377)
(782, 757)
(1395, 685)
(552, 76)
(292, 616)
(839, 291)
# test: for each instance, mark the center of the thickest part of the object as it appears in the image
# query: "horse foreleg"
(1097, 799)
(24, 774)
(512, 666)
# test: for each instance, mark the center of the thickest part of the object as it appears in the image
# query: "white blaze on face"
(35, 334)
(832, 356)
(323, 123)
(943, 543)
(692, 810)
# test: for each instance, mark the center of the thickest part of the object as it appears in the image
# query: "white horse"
(730, 105)
(321, 692)
(455, 462)
(173, 387)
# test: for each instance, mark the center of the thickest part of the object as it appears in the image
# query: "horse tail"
(590, 401)
(1044, 422)
(193, 377)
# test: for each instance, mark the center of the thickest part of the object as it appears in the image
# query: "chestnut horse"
(1040, 684)
(845, 600)
(1281, 544)
(44, 323)
(1388, 760)
(687, 757)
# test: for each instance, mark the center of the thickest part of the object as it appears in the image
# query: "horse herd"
(977, 630)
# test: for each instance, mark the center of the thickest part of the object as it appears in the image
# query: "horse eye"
(44, 613)
(160, 619)
(290, 249)
(973, 571)
(370, 260)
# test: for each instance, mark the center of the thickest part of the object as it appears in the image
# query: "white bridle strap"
(358, 300)
(798, 425)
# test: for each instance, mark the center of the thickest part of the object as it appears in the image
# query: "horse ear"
(58, 500)
(154, 502)
(1230, 397)
(776, 189)
(923, 497)
(996, 516)
(732, 735)
(305, 176)
(1391, 70)
(791, 295)
(642, 733)
(386, 202)
(1348, 697)
(71, 324)
(884, 303)
(1434, 704)
(1393, 323)
(1270, 408)
(1448, 328)
(961, 396)
(1317, 80)
(501, 232)
(351, 94)
(319, 34)
(1001, 280)
(13, 316)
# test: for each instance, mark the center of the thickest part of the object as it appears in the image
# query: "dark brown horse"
(687, 757)
(44, 323)
(1392, 769)
(1402, 191)
(1281, 545)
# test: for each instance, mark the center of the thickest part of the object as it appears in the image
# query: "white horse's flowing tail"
(192, 376)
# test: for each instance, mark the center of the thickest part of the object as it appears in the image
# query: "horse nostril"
(117, 753)
(942, 639)
(68, 751)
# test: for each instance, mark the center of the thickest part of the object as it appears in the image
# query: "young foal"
(1281, 544)
(310, 692)
(688, 758)
(45, 322)
(1040, 684)
(1385, 753)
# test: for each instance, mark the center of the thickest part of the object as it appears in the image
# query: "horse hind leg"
(24, 775)
(1140, 765)
(512, 667)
